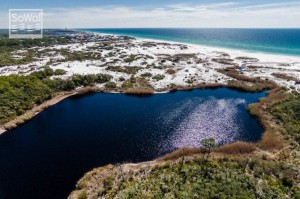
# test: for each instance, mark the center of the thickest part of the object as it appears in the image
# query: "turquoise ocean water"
(275, 41)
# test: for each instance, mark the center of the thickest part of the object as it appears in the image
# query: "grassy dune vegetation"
(20, 93)
(7, 46)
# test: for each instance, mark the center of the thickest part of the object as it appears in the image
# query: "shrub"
(110, 85)
(146, 75)
(59, 72)
(121, 79)
(47, 72)
(131, 58)
(170, 71)
(158, 77)
(127, 85)
(190, 81)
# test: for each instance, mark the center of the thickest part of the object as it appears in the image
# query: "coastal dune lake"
(44, 157)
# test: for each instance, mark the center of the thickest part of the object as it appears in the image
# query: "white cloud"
(201, 7)
(221, 15)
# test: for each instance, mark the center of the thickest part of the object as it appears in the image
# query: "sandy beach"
(162, 63)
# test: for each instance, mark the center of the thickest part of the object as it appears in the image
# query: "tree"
(208, 144)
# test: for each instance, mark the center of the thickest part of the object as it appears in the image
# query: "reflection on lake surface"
(46, 156)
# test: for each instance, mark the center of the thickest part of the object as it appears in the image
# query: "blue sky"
(161, 13)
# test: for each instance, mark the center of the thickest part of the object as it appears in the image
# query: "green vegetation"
(79, 55)
(127, 85)
(131, 58)
(193, 177)
(146, 74)
(288, 112)
(208, 144)
(48, 72)
(190, 80)
(20, 93)
(110, 85)
(121, 79)
(59, 72)
(158, 77)
(7, 46)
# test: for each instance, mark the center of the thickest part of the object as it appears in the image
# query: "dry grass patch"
(286, 77)
(237, 148)
(139, 91)
(141, 87)
(224, 61)
(248, 83)
(247, 86)
(251, 59)
(86, 90)
(274, 96)
(270, 141)
(180, 153)
(171, 71)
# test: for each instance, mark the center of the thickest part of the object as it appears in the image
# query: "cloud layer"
(222, 15)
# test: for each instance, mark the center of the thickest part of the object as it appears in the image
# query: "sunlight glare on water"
(216, 118)
(49, 153)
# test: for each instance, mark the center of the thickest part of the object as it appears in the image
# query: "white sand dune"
(189, 68)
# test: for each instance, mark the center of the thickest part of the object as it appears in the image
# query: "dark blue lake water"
(275, 41)
(44, 157)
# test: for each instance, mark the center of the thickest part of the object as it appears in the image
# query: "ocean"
(274, 41)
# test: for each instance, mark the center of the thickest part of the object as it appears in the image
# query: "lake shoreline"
(226, 74)
(19, 120)
(14, 123)
(87, 116)
(268, 148)
(218, 72)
